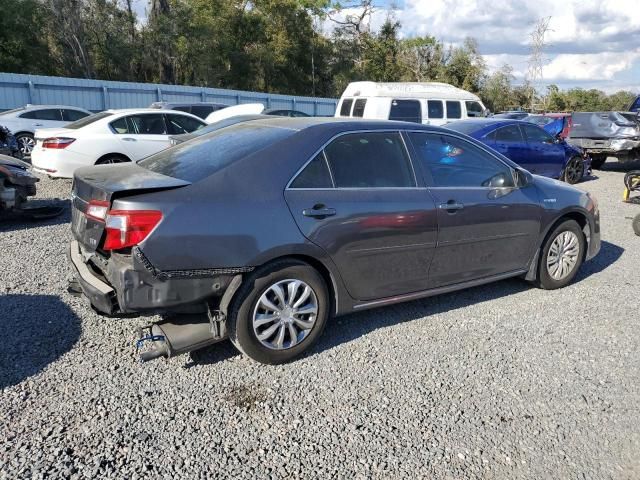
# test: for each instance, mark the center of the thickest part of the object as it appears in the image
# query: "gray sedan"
(269, 227)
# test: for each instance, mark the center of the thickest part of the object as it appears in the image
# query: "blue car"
(529, 145)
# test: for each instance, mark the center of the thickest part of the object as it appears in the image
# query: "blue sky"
(591, 43)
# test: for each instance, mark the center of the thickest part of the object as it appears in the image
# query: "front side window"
(147, 124)
(405, 111)
(179, 124)
(345, 108)
(69, 115)
(536, 134)
(510, 133)
(52, 114)
(201, 111)
(370, 160)
(358, 108)
(474, 109)
(453, 162)
(435, 108)
(453, 109)
(315, 175)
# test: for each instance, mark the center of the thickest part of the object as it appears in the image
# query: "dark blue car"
(529, 145)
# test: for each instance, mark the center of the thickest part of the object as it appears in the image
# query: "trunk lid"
(104, 184)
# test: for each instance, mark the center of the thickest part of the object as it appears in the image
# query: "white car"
(112, 136)
(236, 110)
(24, 121)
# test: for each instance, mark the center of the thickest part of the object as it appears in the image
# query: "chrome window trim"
(326, 162)
(322, 148)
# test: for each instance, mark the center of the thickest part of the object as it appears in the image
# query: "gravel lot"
(502, 381)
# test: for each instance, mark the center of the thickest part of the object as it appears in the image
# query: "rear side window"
(45, 114)
(315, 175)
(358, 108)
(345, 109)
(435, 108)
(406, 111)
(510, 133)
(474, 109)
(148, 124)
(120, 126)
(179, 124)
(69, 115)
(369, 160)
(453, 109)
(197, 159)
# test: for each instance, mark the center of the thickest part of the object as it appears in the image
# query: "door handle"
(451, 206)
(129, 139)
(319, 211)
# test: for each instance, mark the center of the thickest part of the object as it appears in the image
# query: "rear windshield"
(197, 159)
(465, 127)
(83, 122)
(12, 111)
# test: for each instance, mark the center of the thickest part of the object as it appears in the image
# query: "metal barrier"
(17, 90)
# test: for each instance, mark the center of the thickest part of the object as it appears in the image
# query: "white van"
(431, 103)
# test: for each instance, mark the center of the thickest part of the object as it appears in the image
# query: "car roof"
(30, 106)
(343, 123)
(129, 111)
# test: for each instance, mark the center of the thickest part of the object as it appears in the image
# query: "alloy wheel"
(285, 314)
(26, 144)
(574, 170)
(563, 255)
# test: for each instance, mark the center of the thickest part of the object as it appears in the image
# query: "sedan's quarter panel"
(382, 237)
(484, 229)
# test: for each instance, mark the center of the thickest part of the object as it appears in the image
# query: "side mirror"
(522, 178)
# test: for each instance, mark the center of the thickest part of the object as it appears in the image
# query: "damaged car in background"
(269, 227)
(605, 134)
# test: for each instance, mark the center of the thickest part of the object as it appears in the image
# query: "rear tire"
(597, 161)
(561, 256)
(574, 170)
(26, 142)
(280, 333)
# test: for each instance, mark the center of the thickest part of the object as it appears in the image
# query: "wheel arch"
(580, 218)
(113, 154)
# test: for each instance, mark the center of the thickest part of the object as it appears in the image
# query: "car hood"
(13, 162)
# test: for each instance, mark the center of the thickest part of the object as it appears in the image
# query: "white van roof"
(407, 90)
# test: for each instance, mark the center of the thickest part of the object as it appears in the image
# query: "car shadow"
(17, 221)
(352, 326)
(35, 330)
(608, 255)
(616, 166)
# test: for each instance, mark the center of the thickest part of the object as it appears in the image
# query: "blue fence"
(17, 90)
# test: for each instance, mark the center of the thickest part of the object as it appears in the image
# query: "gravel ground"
(501, 381)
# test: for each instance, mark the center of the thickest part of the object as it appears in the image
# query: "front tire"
(561, 256)
(279, 312)
(574, 170)
(636, 224)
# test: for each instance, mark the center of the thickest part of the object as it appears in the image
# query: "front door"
(549, 154)
(360, 202)
(486, 225)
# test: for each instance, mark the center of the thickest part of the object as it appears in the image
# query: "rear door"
(359, 200)
(509, 141)
(141, 135)
(486, 225)
(44, 118)
(549, 155)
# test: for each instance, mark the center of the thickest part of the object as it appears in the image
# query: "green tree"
(22, 49)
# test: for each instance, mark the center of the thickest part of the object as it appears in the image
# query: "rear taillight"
(127, 228)
(57, 142)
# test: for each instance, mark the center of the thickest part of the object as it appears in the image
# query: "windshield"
(197, 159)
(83, 122)
(12, 111)
(541, 121)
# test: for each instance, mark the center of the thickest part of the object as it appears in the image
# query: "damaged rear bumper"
(130, 284)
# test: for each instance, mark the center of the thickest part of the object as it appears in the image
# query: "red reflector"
(57, 142)
(127, 228)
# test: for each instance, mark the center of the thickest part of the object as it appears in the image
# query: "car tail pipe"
(185, 333)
